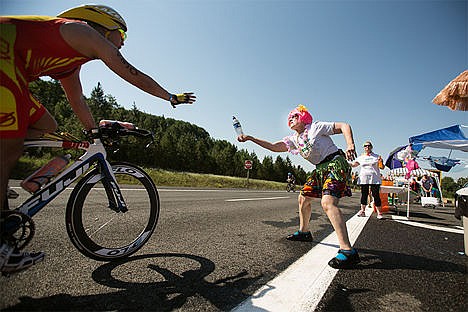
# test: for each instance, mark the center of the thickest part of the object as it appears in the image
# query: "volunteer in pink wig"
(329, 181)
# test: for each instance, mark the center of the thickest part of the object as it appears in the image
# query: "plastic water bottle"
(42, 176)
(237, 126)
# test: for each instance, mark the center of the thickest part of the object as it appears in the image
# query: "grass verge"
(26, 165)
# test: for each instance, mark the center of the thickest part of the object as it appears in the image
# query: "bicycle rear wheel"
(102, 233)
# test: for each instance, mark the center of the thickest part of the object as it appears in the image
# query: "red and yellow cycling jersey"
(30, 47)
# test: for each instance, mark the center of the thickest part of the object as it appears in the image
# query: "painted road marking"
(301, 286)
(262, 198)
(405, 220)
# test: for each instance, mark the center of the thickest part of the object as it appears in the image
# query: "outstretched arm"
(345, 129)
(279, 146)
(89, 42)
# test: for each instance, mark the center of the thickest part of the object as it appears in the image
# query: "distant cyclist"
(36, 46)
(291, 179)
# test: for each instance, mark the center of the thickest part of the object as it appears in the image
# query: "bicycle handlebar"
(110, 132)
(121, 131)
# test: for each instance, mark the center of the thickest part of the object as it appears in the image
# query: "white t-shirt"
(370, 172)
(314, 144)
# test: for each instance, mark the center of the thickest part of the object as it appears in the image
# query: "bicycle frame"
(93, 153)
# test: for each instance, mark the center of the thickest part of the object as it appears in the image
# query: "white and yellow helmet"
(102, 15)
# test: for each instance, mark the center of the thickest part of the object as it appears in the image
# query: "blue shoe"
(300, 236)
(345, 259)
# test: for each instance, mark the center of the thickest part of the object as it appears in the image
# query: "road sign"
(248, 164)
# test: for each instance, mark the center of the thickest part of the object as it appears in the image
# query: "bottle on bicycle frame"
(43, 175)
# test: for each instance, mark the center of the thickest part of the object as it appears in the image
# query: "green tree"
(266, 170)
(101, 105)
(449, 187)
(462, 181)
(178, 145)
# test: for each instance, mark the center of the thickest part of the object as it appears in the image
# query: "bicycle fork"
(114, 195)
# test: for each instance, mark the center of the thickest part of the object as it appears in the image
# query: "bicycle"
(291, 187)
(113, 208)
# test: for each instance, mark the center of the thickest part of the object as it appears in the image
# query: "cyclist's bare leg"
(12, 261)
(12, 148)
(10, 152)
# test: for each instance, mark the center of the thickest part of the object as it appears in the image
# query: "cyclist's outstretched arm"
(92, 44)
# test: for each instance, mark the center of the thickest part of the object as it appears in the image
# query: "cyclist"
(35, 46)
(291, 179)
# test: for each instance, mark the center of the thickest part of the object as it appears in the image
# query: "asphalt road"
(212, 249)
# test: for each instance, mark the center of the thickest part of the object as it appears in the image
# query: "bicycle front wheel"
(100, 232)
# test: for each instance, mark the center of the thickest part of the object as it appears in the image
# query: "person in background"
(291, 179)
(416, 188)
(369, 178)
(414, 185)
(426, 184)
(36, 46)
(329, 181)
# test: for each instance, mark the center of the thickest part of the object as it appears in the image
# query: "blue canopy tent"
(451, 138)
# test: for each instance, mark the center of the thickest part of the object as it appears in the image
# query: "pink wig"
(303, 115)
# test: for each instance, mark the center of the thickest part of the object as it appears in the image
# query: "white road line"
(301, 286)
(249, 199)
(405, 220)
(215, 190)
(183, 190)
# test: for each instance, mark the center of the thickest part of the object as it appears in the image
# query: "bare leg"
(11, 150)
(330, 206)
(376, 194)
(305, 211)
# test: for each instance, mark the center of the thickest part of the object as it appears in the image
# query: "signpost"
(248, 166)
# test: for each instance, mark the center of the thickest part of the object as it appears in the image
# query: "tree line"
(178, 145)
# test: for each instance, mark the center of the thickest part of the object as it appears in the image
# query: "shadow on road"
(385, 260)
(173, 291)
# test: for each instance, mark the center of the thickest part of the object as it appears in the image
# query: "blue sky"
(374, 64)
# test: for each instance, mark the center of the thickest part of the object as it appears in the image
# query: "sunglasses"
(367, 145)
(123, 34)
